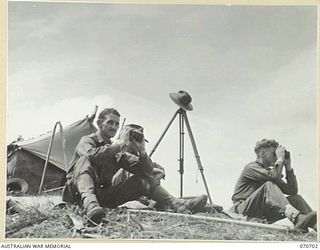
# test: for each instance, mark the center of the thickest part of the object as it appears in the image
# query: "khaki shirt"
(256, 174)
(102, 160)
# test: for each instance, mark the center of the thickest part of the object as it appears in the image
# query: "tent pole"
(53, 189)
(47, 157)
(93, 115)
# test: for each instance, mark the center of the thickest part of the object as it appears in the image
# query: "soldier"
(96, 160)
(260, 190)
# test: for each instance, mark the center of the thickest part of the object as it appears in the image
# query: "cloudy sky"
(251, 71)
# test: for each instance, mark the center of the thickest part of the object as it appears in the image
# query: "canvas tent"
(26, 159)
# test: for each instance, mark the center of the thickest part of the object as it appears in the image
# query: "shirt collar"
(259, 162)
(101, 139)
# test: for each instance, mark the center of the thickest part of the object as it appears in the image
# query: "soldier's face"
(110, 125)
(270, 156)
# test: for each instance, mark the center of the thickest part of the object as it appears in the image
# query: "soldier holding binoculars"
(261, 192)
(97, 160)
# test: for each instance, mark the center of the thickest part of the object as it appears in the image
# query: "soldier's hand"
(124, 137)
(287, 161)
(280, 153)
(158, 168)
(159, 171)
(140, 146)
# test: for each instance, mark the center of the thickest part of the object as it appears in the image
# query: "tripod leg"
(181, 147)
(163, 134)
(196, 154)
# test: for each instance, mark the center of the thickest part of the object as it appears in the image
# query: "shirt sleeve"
(146, 164)
(129, 162)
(291, 186)
(258, 173)
(87, 147)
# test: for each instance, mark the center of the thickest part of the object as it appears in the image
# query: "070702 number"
(309, 245)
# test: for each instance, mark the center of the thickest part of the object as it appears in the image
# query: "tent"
(26, 159)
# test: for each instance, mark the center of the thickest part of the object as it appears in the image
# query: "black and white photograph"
(161, 122)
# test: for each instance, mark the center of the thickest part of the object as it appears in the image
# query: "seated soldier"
(97, 160)
(260, 190)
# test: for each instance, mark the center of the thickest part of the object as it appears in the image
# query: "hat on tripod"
(183, 99)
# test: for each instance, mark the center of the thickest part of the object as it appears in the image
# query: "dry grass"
(69, 222)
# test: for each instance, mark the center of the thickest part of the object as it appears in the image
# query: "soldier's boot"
(94, 211)
(186, 206)
(193, 205)
(301, 221)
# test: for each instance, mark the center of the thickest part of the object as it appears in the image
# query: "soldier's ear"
(262, 152)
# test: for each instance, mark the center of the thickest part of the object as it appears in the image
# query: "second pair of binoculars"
(136, 136)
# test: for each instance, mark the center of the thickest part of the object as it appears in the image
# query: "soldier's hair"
(107, 111)
(265, 143)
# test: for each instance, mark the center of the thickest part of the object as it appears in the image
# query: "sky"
(251, 72)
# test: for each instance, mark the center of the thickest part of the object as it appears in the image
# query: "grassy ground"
(69, 222)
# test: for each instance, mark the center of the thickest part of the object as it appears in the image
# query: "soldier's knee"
(269, 184)
(271, 187)
(144, 183)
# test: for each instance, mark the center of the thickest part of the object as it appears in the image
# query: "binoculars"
(287, 154)
(135, 136)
